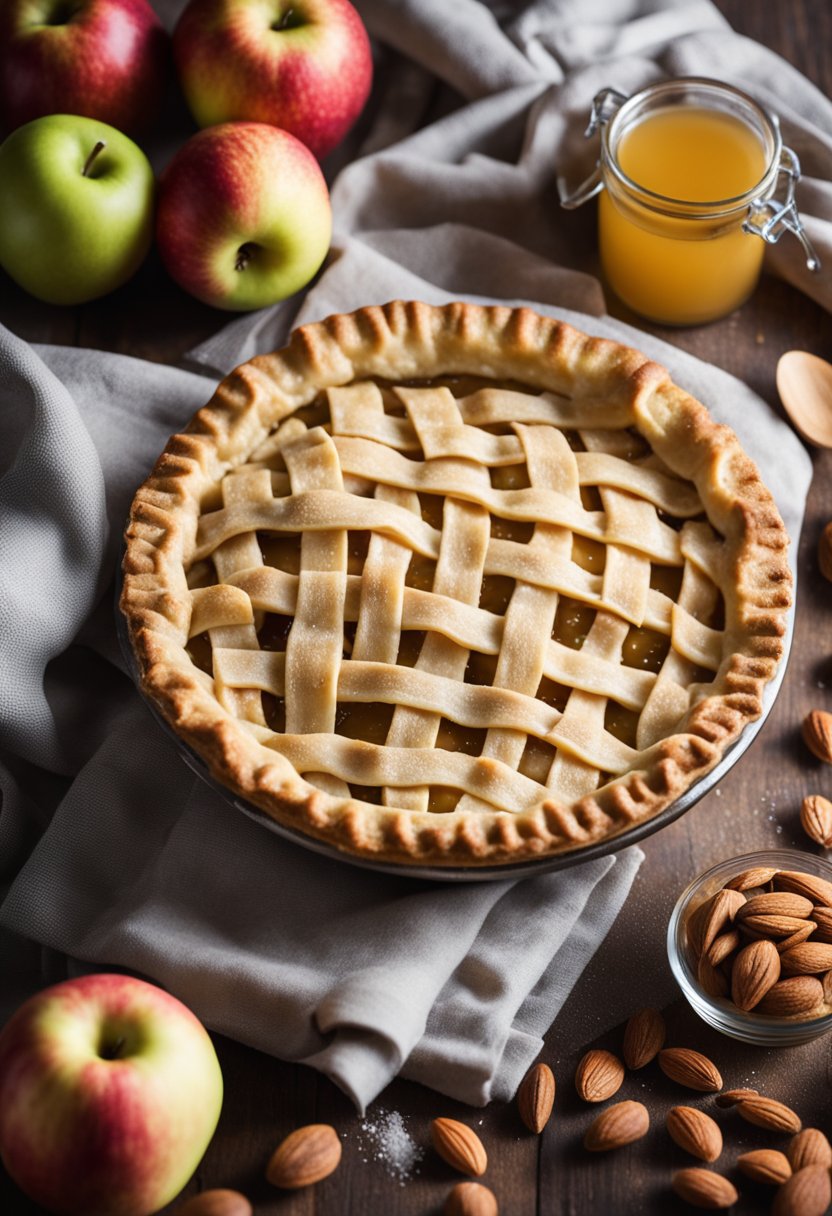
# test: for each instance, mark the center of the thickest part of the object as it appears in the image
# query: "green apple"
(76, 208)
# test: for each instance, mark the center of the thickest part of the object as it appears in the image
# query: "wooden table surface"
(756, 806)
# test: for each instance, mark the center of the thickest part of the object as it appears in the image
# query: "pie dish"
(455, 586)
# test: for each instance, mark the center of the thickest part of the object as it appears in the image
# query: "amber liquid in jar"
(682, 268)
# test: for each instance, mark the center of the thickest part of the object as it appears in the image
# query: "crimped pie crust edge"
(399, 341)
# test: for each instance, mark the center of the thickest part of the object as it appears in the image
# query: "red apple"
(303, 65)
(110, 1090)
(243, 217)
(104, 59)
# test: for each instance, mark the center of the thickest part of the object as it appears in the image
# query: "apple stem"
(244, 256)
(99, 147)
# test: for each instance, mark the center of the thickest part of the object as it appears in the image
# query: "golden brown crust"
(617, 386)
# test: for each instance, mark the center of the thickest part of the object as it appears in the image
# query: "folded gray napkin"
(363, 975)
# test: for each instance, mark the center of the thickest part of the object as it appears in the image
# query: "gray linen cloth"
(362, 975)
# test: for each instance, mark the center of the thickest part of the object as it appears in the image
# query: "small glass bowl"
(722, 1014)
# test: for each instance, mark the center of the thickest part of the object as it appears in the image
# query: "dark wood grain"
(757, 805)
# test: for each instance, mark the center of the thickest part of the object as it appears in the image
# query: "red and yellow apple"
(105, 59)
(243, 217)
(303, 65)
(110, 1091)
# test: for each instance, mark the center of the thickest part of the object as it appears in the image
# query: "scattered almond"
(791, 997)
(536, 1097)
(817, 734)
(459, 1145)
(806, 1193)
(765, 1165)
(809, 1147)
(814, 888)
(704, 1189)
(770, 1114)
(470, 1199)
(599, 1075)
(306, 1155)
(616, 1126)
(644, 1038)
(755, 970)
(809, 958)
(215, 1203)
(816, 819)
(690, 1068)
(758, 876)
(695, 1132)
(730, 1097)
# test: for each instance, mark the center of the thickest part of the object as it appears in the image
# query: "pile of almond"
(764, 942)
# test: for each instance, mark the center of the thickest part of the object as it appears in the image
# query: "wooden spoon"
(804, 383)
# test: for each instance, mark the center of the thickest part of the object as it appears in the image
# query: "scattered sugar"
(386, 1140)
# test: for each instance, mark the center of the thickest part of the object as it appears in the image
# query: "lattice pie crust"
(455, 585)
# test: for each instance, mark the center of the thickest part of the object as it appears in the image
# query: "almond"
(809, 958)
(616, 1126)
(644, 1038)
(690, 1068)
(816, 819)
(758, 876)
(599, 1075)
(470, 1199)
(817, 734)
(755, 970)
(806, 1193)
(730, 1097)
(695, 925)
(826, 980)
(800, 935)
(809, 1147)
(814, 888)
(772, 926)
(825, 552)
(822, 917)
(695, 1132)
(306, 1155)
(711, 979)
(765, 1165)
(787, 998)
(770, 1114)
(723, 907)
(215, 1203)
(459, 1145)
(704, 1189)
(776, 903)
(536, 1096)
(723, 945)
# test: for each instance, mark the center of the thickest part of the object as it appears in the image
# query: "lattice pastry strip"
(458, 575)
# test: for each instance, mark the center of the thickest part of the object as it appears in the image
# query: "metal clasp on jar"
(769, 218)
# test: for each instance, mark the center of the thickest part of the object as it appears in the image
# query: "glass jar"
(687, 177)
(761, 1029)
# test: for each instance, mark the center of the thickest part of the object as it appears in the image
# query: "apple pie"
(455, 586)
